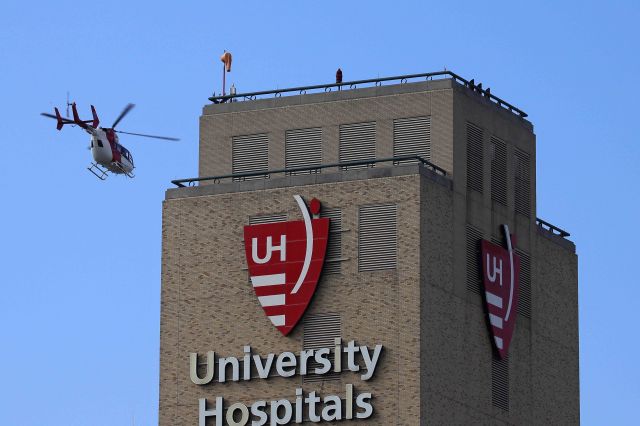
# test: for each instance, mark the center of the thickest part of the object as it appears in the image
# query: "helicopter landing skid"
(122, 170)
(98, 171)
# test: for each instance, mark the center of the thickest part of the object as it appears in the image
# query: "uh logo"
(501, 279)
(285, 260)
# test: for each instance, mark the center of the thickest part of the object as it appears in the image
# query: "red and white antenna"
(226, 67)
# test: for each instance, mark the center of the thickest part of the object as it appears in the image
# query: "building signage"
(501, 279)
(304, 406)
(285, 260)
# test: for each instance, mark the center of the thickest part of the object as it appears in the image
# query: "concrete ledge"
(563, 242)
(309, 179)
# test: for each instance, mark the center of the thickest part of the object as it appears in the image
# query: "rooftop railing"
(402, 79)
(552, 228)
(181, 183)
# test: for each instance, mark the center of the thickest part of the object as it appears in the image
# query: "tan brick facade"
(436, 366)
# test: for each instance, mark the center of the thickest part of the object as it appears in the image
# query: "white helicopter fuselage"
(108, 152)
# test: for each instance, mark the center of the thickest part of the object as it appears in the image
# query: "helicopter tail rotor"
(95, 121)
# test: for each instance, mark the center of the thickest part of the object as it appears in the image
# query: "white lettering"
(283, 363)
(332, 409)
(370, 363)
(244, 414)
(270, 248)
(276, 419)
(193, 368)
(322, 358)
(257, 410)
(363, 402)
(497, 270)
(203, 413)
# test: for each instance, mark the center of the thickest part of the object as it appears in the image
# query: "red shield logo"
(285, 260)
(501, 279)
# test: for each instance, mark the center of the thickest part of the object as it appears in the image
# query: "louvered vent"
(498, 171)
(250, 153)
(412, 136)
(272, 218)
(523, 183)
(377, 237)
(474, 277)
(320, 331)
(474, 157)
(333, 262)
(303, 148)
(524, 302)
(358, 142)
(500, 383)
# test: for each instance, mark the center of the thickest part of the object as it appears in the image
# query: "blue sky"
(79, 307)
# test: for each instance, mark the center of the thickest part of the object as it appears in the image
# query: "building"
(413, 174)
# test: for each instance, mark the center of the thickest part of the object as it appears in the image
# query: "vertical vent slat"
(500, 383)
(524, 301)
(498, 171)
(474, 277)
(377, 237)
(475, 158)
(303, 148)
(250, 153)
(412, 136)
(333, 258)
(358, 142)
(523, 183)
(320, 331)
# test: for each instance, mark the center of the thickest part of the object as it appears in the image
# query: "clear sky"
(79, 306)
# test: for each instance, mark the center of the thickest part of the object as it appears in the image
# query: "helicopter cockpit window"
(99, 143)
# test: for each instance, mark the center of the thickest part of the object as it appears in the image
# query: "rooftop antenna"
(68, 104)
(226, 67)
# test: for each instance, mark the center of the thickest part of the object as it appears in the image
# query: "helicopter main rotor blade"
(148, 136)
(64, 120)
(124, 112)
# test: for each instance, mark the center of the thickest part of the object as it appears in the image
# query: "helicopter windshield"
(126, 154)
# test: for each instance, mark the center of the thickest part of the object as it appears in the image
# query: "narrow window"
(473, 237)
(377, 237)
(475, 158)
(333, 258)
(523, 183)
(498, 171)
(500, 383)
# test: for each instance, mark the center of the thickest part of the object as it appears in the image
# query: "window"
(303, 148)
(523, 183)
(320, 331)
(358, 142)
(498, 171)
(99, 143)
(474, 278)
(377, 237)
(250, 153)
(334, 246)
(475, 158)
(500, 383)
(412, 136)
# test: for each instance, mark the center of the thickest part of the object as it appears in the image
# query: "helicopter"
(108, 154)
